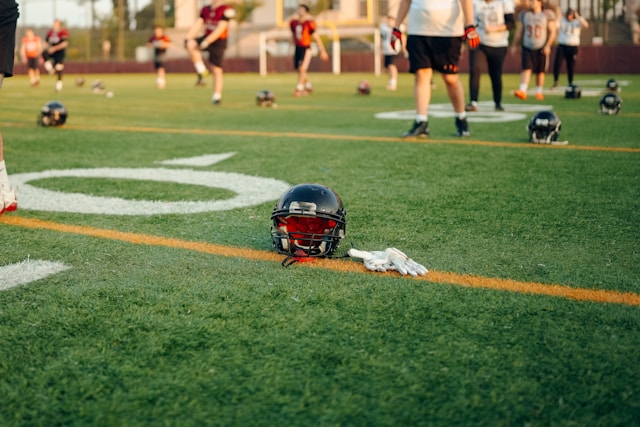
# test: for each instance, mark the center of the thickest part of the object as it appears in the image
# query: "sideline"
(362, 138)
(554, 290)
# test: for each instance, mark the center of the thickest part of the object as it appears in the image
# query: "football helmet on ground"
(544, 127)
(265, 98)
(364, 88)
(610, 104)
(52, 114)
(308, 221)
(572, 92)
(612, 85)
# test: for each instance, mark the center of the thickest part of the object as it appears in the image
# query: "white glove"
(389, 259)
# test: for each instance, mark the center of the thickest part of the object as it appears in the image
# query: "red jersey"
(211, 16)
(159, 43)
(57, 37)
(31, 46)
(302, 32)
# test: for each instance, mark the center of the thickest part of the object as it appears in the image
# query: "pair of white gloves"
(389, 259)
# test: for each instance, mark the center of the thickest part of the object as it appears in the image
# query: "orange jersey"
(32, 46)
(302, 32)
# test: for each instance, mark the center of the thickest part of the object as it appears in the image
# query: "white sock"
(523, 87)
(421, 118)
(538, 89)
(299, 88)
(4, 178)
(216, 97)
(200, 68)
(462, 115)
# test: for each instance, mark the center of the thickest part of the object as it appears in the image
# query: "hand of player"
(471, 36)
(396, 39)
(324, 55)
(204, 44)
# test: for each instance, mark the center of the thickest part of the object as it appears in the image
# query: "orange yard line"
(580, 294)
(363, 138)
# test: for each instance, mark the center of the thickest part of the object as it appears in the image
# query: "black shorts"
(298, 56)
(389, 60)
(32, 63)
(159, 57)
(216, 51)
(56, 57)
(440, 53)
(8, 45)
(534, 60)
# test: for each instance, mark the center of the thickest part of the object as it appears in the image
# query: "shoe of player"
(418, 130)
(499, 107)
(216, 101)
(539, 96)
(554, 85)
(298, 93)
(462, 127)
(9, 202)
(520, 94)
(470, 107)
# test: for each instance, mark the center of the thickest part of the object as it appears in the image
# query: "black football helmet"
(52, 114)
(308, 221)
(612, 85)
(364, 88)
(97, 86)
(544, 127)
(610, 104)
(573, 92)
(265, 98)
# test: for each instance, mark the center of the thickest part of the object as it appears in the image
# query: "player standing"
(57, 40)
(494, 18)
(303, 31)
(571, 26)
(30, 51)
(535, 33)
(160, 43)
(436, 31)
(214, 19)
(8, 21)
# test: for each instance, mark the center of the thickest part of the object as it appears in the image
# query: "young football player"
(57, 43)
(214, 20)
(494, 18)
(569, 31)
(30, 51)
(303, 31)
(8, 21)
(436, 30)
(535, 34)
(160, 42)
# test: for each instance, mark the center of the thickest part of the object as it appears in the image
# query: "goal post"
(268, 39)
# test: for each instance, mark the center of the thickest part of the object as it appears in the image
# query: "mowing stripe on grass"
(580, 294)
(363, 138)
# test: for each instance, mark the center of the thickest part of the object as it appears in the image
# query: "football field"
(139, 287)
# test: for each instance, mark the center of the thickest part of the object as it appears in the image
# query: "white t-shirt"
(440, 18)
(492, 13)
(569, 32)
(535, 31)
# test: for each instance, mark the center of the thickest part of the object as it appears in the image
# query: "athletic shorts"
(389, 60)
(32, 63)
(298, 56)
(7, 52)
(56, 57)
(534, 60)
(215, 50)
(440, 53)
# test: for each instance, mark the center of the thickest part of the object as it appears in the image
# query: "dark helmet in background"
(52, 114)
(544, 127)
(610, 104)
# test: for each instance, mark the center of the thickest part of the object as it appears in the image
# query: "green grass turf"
(140, 335)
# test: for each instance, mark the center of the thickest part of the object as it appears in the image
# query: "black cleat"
(462, 127)
(499, 107)
(419, 130)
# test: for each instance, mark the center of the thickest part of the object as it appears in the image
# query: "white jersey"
(492, 13)
(439, 18)
(536, 28)
(569, 32)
